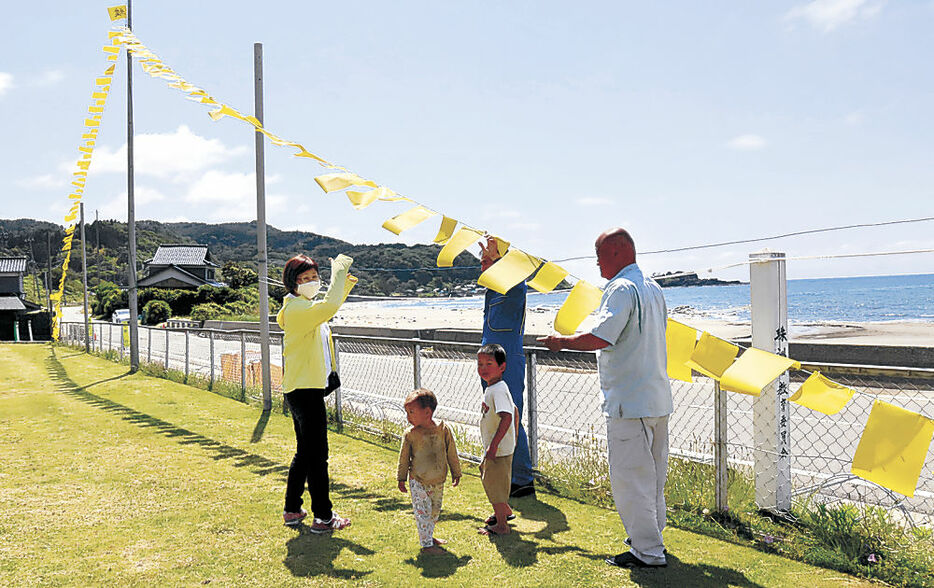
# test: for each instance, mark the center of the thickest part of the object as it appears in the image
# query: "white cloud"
(747, 143)
(42, 182)
(143, 196)
(593, 201)
(49, 78)
(828, 15)
(176, 156)
(6, 82)
(218, 186)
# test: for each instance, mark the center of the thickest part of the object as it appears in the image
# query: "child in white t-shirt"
(498, 433)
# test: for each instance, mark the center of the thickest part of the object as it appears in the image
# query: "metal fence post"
(211, 346)
(166, 349)
(768, 294)
(149, 345)
(721, 490)
(122, 350)
(187, 355)
(338, 410)
(417, 365)
(243, 362)
(531, 406)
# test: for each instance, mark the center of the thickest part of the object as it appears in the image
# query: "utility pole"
(48, 272)
(261, 226)
(97, 246)
(131, 205)
(34, 267)
(84, 278)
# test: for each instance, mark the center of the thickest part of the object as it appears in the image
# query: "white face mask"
(308, 289)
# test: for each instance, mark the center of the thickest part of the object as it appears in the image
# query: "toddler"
(427, 451)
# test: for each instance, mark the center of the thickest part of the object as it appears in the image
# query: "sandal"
(490, 532)
(491, 520)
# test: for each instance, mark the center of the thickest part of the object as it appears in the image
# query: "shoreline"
(538, 321)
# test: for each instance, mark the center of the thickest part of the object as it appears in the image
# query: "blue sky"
(542, 122)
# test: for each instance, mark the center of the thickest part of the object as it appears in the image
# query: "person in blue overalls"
(504, 324)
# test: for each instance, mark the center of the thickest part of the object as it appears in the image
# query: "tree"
(155, 312)
(238, 276)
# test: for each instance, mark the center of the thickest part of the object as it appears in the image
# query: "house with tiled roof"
(16, 313)
(180, 266)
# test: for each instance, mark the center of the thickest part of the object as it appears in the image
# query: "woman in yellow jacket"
(307, 353)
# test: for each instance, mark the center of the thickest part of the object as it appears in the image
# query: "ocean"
(862, 299)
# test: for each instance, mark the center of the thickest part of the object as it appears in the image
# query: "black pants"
(311, 454)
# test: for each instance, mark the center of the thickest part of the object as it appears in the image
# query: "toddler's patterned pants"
(426, 503)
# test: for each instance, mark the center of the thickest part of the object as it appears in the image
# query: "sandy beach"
(539, 322)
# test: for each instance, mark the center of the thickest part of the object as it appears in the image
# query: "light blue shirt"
(634, 367)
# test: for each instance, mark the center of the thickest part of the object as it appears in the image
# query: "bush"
(207, 311)
(156, 311)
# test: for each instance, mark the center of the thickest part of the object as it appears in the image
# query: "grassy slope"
(111, 479)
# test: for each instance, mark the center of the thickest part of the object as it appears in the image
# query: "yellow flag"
(754, 370)
(679, 340)
(408, 219)
(448, 225)
(823, 395)
(333, 182)
(548, 277)
(462, 239)
(712, 356)
(893, 447)
(508, 271)
(117, 12)
(361, 200)
(305, 153)
(583, 300)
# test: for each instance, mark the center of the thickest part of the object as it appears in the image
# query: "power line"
(773, 237)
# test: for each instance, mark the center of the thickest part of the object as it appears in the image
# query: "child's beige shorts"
(496, 475)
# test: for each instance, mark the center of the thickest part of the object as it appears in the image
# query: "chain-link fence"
(563, 411)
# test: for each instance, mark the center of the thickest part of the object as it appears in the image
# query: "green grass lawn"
(113, 479)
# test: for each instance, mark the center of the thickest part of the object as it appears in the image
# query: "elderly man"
(629, 338)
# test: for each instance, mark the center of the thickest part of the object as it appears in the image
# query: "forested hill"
(413, 266)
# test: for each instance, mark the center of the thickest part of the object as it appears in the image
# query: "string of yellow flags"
(710, 356)
(894, 443)
(80, 175)
(454, 236)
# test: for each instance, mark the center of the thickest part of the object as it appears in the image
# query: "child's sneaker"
(335, 524)
(293, 519)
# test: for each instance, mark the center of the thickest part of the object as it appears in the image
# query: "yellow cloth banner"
(462, 239)
(408, 219)
(98, 97)
(679, 340)
(448, 225)
(360, 200)
(893, 447)
(754, 370)
(509, 270)
(334, 182)
(117, 12)
(548, 277)
(712, 356)
(821, 394)
(583, 300)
